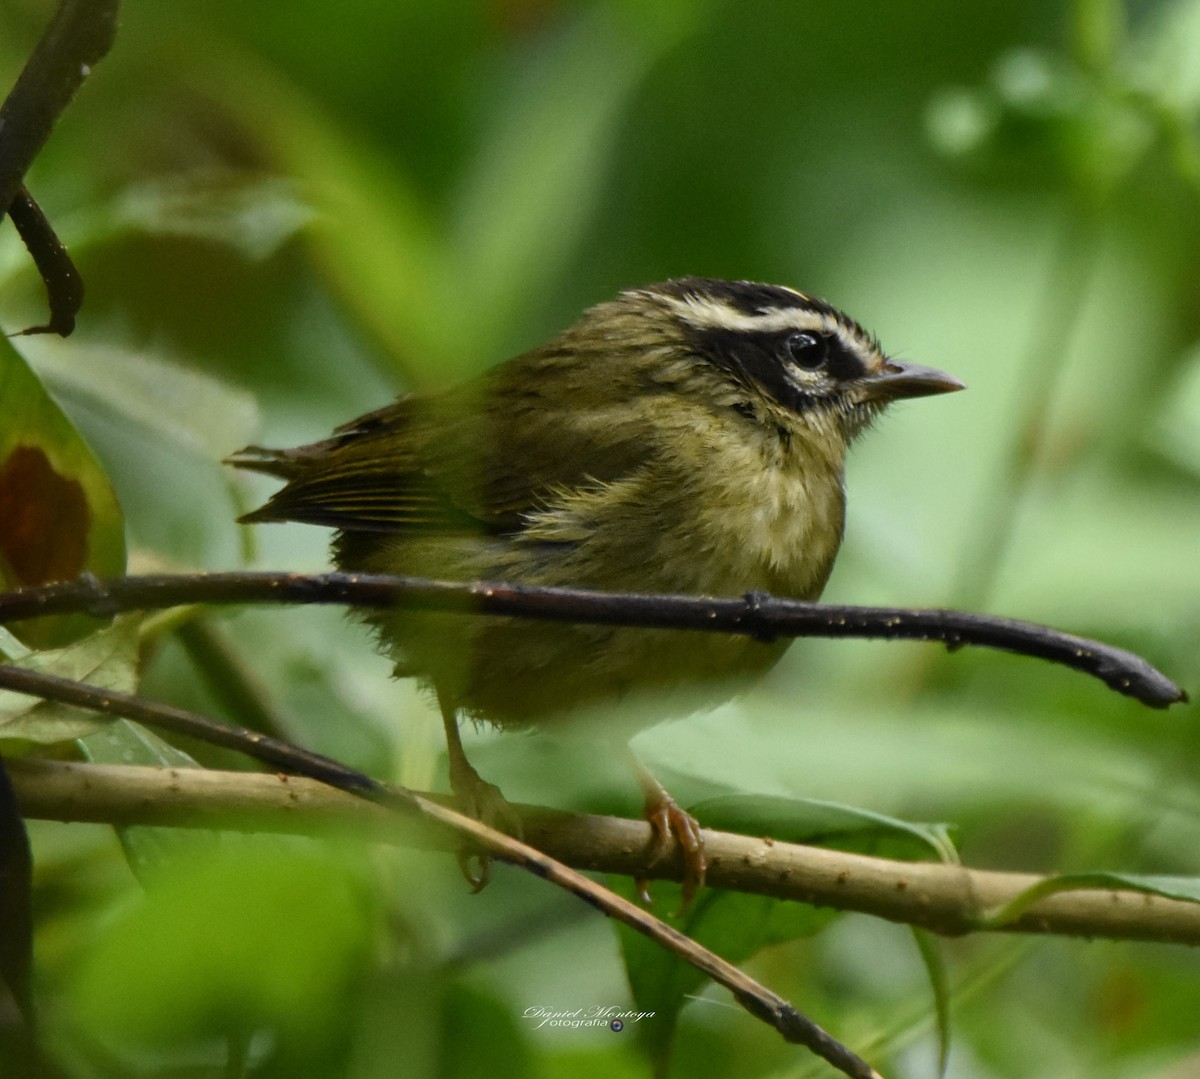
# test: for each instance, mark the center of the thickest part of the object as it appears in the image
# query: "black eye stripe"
(766, 358)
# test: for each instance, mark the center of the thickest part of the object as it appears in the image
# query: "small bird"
(685, 437)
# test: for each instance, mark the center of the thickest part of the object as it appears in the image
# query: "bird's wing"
(366, 477)
(480, 457)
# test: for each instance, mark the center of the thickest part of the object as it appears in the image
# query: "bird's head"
(771, 353)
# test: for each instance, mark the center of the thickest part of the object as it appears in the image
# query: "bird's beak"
(898, 380)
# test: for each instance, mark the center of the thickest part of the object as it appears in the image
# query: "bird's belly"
(773, 532)
(516, 673)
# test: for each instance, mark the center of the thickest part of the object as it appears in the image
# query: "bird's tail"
(285, 464)
(259, 459)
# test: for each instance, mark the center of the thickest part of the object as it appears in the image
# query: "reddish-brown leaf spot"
(44, 519)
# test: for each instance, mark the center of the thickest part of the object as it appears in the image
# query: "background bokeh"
(287, 213)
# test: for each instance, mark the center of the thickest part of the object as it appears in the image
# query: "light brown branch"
(946, 899)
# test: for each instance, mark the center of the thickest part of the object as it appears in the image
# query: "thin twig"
(946, 899)
(78, 37)
(64, 285)
(754, 997)
(756, 615)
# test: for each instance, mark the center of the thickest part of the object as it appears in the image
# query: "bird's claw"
(484, 802)
(667, 818)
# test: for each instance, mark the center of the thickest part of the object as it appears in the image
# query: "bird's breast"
(767, 515)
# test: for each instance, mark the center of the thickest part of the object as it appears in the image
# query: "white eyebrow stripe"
(706, 314)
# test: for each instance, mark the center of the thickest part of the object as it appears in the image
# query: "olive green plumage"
(686, 437)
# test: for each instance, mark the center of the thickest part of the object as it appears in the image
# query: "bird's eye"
(808, 350)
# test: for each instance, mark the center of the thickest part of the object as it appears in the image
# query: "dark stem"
(16, 913)
(64, 286)
(756, 615)
(78, 37)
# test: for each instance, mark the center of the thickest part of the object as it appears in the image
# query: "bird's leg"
(668, 818)
(476, 797)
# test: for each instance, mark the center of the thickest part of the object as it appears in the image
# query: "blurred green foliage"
(286, 213)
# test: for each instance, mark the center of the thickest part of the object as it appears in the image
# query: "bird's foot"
(484, 802)
(667, 818)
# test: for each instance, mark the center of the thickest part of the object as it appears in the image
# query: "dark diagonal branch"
(756, 615)
(754, 997)
(78, 36)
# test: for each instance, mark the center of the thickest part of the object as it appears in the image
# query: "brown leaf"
(44, 519)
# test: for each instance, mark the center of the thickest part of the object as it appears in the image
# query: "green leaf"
(175, 404)
(10, 647)
(162, 428)
(826, 824)
(935, 965)
(59, 515)
(1186, 889)
(255, 215)
(149, 851)
(731, 924)
(107, 659)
